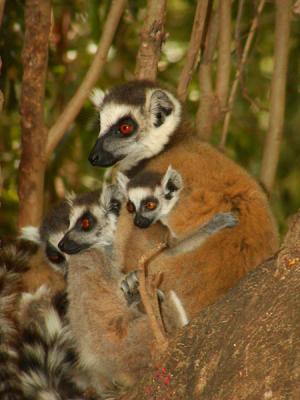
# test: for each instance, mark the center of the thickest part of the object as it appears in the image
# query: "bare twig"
(224, 49)
(73, 107)
(277, 102)
(152, 37)
(208, 106)
(238, 74)
(2, 5)
(237, 32)
(193, 49)
(34, 132)
(149, 297)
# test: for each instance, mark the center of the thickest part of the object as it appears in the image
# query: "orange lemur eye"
(151, 205)
(85, 224)
(130, 207)
(125, 128)
(54, 258)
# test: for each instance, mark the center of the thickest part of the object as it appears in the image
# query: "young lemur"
(142, 128)
(112, 335)
(151, 197)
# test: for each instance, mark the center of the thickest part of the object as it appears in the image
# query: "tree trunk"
(152, 37)
(245, 346)
(34, 132)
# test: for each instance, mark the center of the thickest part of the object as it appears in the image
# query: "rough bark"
(192, 55)
(152, 37)
(277, 105)
(66, 118)
(245, 346)
(34, 132)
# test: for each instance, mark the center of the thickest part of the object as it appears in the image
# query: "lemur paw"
(130, 288)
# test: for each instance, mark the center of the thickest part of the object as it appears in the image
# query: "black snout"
(69, 246)
(99, 157)
(142, 222)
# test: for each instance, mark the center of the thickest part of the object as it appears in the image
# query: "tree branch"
(273, 139)
(149, 298)
(244, 345)
(152, 37)
(239, 72)
(2, 6)
(34, 132)
(208, 109)
(193, 49)
(73, 107)
(224, 56)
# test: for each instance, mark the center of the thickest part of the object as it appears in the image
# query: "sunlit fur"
(212, 184)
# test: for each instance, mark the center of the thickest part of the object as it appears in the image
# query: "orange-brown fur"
(212, 183)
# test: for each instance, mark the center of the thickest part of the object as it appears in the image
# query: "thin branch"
(152, 37)
(278, 87)
(192, 56)
(34, 132)
(2, 5)
(224, 57)
(208, 105)
(73, 107)
(149, 298)
(239, 72)
(237, 33)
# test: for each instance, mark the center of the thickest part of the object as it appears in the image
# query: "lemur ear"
(96, 97)
(111, 198)
(171, 182)
(160, 106)
(122, 181)
(30, 233)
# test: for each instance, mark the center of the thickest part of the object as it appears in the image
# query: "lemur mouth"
(99, 157)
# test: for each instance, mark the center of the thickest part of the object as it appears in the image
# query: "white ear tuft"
(96, 97)
(172, 181)
(30, 233)
(70, 197)
(109, 195)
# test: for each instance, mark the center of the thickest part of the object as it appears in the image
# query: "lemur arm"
(218, 222)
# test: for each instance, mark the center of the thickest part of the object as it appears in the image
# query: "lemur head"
(136, 122)
(77, 223)
(150, 196)
(92, 220)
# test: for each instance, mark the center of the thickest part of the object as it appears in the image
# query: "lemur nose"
(94, 158)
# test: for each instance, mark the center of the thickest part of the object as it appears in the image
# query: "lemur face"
(150, 196)
(92, 224)
(136, 120)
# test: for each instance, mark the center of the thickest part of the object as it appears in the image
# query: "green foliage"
(75, 33)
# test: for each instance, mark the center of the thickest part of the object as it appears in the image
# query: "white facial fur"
(137, 194)
(150, 139)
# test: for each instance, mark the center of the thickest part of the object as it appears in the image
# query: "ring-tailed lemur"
(143, 127)
(47, 354)
(151, 197)
(13, 263)
(112, 335)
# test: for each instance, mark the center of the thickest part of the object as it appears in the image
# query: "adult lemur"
(142, 127)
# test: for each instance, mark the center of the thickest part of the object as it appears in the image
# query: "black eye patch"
(54, 255)
(86, 222)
